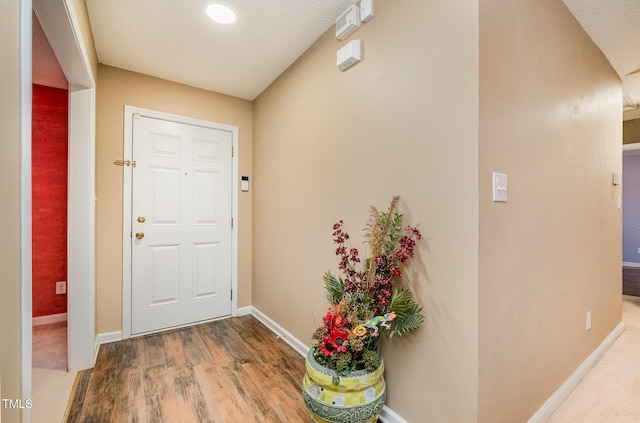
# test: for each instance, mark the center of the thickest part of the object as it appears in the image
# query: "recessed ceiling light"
(221, 13)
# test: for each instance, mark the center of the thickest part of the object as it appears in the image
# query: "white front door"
(181, 224)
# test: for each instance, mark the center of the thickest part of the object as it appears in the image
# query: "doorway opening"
(49, 165)
(60, 24)
(631, 220)
(49, 225)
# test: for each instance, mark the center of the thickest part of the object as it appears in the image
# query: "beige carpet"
(51, 383)
(50, 346)
(610, 392)
(50, 393)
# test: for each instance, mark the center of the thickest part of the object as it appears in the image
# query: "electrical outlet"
(588, 321)
(61, 287)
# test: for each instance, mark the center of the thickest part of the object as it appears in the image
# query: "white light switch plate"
(499, 187)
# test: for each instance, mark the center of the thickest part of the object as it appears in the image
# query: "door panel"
(206, 261)
(181, 265)
(164, 192)
(206, 199)
(164, 274)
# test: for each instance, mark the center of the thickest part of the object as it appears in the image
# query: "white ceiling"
(176, 40)
(614, 25)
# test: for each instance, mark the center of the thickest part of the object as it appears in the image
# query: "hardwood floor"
(232, 370)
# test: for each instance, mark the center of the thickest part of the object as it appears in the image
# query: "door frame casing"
(62, 28)
(129, 112)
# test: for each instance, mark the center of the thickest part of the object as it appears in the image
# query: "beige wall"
(327, 145)
(117, 88)
(11, 258)
(551, 118)
(80, 7)
(631, 131)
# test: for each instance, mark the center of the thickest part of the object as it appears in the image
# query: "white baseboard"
(387, 415)
(105, 338)
(287, 337)
(52, 318)
(630, 264)
(543, 414)
(243, 311)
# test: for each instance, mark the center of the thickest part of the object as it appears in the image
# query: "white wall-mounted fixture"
(366, 10)
(221, 13)
(499, 187)
(617, 178)
(348, 22)
(349, 55)
(244, 186)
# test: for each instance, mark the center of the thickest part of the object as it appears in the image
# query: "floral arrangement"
(365, 305)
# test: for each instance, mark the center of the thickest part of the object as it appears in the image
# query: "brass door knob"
(139, 235)
(141, 219)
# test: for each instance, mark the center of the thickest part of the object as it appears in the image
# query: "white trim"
(387, 415)
(129, 111)
(283, 334)
(543, 414)
(243, 311)
(126, 225)
(630, 264)
(47, 320)
(60, 24)
(105, 338)
(235, 189)
(81, 229)
(26, 26)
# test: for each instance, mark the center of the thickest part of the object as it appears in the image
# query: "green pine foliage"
(334, 287)
(408, 316)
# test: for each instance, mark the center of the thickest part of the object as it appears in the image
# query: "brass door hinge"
(125, 163)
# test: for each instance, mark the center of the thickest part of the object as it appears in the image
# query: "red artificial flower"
(334, 318)
(329, 320)
(326, 349)
(337, 339)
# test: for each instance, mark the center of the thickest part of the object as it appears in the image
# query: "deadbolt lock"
(139, 235)
(141, 219)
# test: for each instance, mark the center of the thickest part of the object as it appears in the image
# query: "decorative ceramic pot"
(357, 398)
